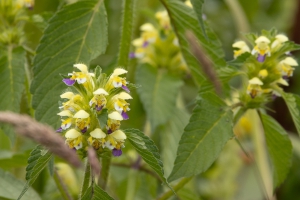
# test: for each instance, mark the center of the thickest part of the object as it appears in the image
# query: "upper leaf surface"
(12, 76)
(183, 18)
(95, 193)
(147, 149)
(77, 33)
(279, 147)
(209, 128)
(158, 93)
(293, 103)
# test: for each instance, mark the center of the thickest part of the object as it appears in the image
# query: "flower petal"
(72, 134)
(81, 67)
(68, 82)
(115, 115)
(81, 114)
(117, 152)
(119, 135)
(124, 115)
(98, 133)
(100, 91)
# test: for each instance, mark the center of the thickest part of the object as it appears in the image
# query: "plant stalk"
(177, 187)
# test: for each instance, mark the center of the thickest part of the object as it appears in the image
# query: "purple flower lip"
(124, 115)
(109, 131)
(145, 44)
(131, 55)
(261, 58)
(125, 88)
(84, 130)
(68, 81)
(99, 108)
(59, 130)
(117, 152)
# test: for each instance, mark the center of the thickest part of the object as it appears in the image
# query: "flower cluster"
(92, 117)
(158, 45)
(269, 64)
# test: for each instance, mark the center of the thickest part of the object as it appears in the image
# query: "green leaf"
(12, 76)
(158, 93)
(11, 186)
(37, 161)
(86, 179)
(279, 147)
(183, 19)
(240, 60)
(95, 193)
(172, 133)
(77, 33)
(197, 6)
(293, 103)
(127, 27)
(225, 75)
(209, 128)
(13, 161)
(102, 118)
(147, 149)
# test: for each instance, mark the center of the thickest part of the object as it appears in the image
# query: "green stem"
(86, 179)
(177, 187)
(127, 27)
(61, 186)
(105, 166)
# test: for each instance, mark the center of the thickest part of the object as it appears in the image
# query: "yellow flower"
(286, 66)
(74, 139)
(113, 122)
(254, 88)
(262, 48)
(66, 123)
(82, 77)
(75, 100)
(99, 99)
(241, 47)
(163, 19)
(116, 81)
(97, 138)
(263, 73)
(115, 141)
(82, 120)
(277, 43)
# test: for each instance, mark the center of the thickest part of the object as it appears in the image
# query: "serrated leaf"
(77, 33)
(293, 103)
(102, 118)
(37, 161)
(172, 133)
(95, 193)
(12, 76)
(147, 150)
(11, 186)
(225, 75)
(209, 128)
(127, 29)
(183, 19)
(197, 6)
(158, 93)
(279, 147)
(240, 60)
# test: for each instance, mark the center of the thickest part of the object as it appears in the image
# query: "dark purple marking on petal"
(84, 130)
(261, 58)
(124, 115)
(131, 55)
(109, 131)
(274, 96)
(145, 44)
(99, 108)
(125, 88)
(59, 130)
(286, 78)
(68, 81)
(117, 152)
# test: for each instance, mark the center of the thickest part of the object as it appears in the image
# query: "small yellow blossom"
(97, 138)
(99, 100)
(74, 139)
(262, 48)
(163, 19)
(263, 73)
(241, 47)
(115, 141)
(277, 43)
(82, 120)
(254, 88)
(286, 66)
